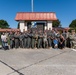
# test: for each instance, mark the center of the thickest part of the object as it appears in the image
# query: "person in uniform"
(45, 41)
(40, 37)
(16, 37)
(67, 39)
(49, 32)
(33, 40)
(25, 39)
(72, 38)
(7, 35)
(12, 41)
(65, 36)
(52, 37)
(29, 34)
(36, 39)
(21, 37)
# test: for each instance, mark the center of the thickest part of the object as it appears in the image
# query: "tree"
(56, 23)
(73, 24)
(4, 24)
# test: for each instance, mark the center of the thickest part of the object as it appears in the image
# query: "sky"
(65, 9)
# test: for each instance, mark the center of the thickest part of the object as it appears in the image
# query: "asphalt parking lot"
(38, 62)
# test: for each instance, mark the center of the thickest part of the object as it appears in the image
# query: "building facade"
(35, 20)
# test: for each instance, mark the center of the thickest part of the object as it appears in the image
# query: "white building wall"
(45, 27)
(22, 25)
(49, 25)
(25, 26)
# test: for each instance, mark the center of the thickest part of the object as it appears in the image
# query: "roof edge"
(35, 12)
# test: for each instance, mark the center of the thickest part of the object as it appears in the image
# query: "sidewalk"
(5, 70)
(38, 62)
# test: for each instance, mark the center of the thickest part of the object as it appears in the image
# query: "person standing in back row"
(12, 42)
(29, 34)
(16, 37)
(40, 37)
(25, 39)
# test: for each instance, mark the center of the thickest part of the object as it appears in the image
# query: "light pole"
(32, 5)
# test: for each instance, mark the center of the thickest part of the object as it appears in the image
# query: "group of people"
(38, 39)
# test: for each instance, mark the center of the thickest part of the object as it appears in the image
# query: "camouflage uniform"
(45, 42)
(29, 40)
(72, 40)
(21, 37)
(40, 37)
(33, 40)
(12, 41)
(16, 37)
(52, 37)
(49, 38)
(65, 36)
(25, 40)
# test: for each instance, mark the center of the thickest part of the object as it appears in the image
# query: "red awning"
(49, 16)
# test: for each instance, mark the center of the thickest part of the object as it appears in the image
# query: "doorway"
(39, 26)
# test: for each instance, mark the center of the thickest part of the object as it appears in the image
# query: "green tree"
(56, 23)
(4, 24)
(73, 24)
